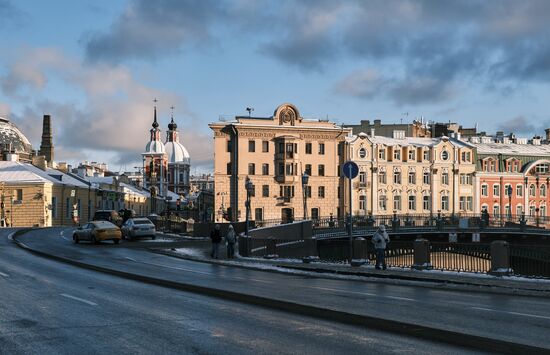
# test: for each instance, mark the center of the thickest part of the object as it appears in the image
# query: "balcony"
(286, 179)
(361, 185)
(284, 200)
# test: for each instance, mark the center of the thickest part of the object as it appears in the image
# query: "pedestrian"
(231, 238)
(216, 237)
(380, 239)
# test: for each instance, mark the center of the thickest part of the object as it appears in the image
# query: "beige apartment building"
(274, 153)
(412, 175)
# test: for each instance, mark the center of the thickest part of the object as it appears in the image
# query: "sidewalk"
(199, 250)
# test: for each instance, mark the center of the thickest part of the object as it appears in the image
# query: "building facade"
(274, 153)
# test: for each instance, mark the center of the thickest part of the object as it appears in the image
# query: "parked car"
(97, 231)
(138, 227)
(108, 215)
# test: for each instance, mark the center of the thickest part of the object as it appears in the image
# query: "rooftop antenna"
(249, 109)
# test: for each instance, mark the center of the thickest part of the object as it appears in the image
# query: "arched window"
(542, 190)
(382, 200)
(519, 210)
(532, 190)
(484, 190)
(444, 201)
(496, 211)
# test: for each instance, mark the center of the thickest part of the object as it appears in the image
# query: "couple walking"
(216, 238)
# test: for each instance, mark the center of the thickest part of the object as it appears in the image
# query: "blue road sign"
(350, 169)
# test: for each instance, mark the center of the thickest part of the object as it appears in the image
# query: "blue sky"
(96, 66)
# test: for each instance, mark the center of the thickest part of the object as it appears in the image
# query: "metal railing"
(462, 257)
(530, 260)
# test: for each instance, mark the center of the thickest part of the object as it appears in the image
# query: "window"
(397, 202)
(496, 210)
(308, 169)
(265, 169)
(362, 177)
(308, 148)
(507, 189)
(18, 194)
(426, 178)
(308, 191)
(291, 148)
(321, 170)
(290, 169)
(382, 153)
(507, 210)
(542, 190)
(382, 202)
(229, 146)
(54, 207)
(281, 147)
(362, 202)
(251, 146)
(321, 192)
(229, 170)
(314, 213)
(251, 169)
(265, 190)
(412, 154)
(532, 190)
(466, 203)
(426, 205)
(519, 190)
(444, 203)
(321, 148)
(396, 153)
(362, 153)
(542, 212)
(496, 190)
(382, 177)
(286, 191)
(397, 177)
(426, 155)
(466, 157)
(265, 146)
(445, 155)
(465, 179)
(412, 177)
(541, 169)
(281, 169)
(519, 210)
(253, 190)
(412, 202)
(484, 190)
(258, 214)
(445, 178)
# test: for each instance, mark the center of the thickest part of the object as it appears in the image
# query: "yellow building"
(274, 153)
(412, 175)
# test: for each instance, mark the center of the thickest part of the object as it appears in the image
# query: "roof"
(415, 141)
(16, 172)
(512, 149)
(11, 135)
(176, 152)
(154, 147)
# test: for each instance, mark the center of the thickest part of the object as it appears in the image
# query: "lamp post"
(537, 211)
(510, 189)
(248, 186)
(305, 179)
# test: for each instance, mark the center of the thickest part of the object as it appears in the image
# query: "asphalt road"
(49, 307)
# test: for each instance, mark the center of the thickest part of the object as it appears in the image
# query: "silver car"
(138, 227)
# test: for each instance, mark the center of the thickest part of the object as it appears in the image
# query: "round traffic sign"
(350, 169)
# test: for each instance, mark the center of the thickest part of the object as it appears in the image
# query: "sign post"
(350, 170)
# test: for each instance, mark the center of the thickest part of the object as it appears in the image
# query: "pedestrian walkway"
(199, 250)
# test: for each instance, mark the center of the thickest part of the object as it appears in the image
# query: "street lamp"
(510, 189)
(305, 179)
(537, 211)
(248, 186)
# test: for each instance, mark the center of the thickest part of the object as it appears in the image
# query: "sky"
(97, 65)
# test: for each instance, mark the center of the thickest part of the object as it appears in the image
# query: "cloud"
(518, 125)
(152, 29)
(115, 116)
(370, 84)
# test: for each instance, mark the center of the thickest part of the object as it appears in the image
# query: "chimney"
(40, 162)
(46, 146)
(372, 132)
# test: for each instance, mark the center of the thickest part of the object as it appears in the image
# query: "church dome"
(154, 147)
(11, 136)
(176, 152)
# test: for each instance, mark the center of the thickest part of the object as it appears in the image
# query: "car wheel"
(75, 239)
(116, 241)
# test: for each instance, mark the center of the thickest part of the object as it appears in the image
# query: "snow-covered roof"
(16, 172)
(414, 141)
(154, 147)
(176, 152)
(11, 135)
(512, 149)
(134, 190)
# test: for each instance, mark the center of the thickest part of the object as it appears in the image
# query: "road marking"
(78, 299)
(400, 298)
(509, 312)
(337, 290)
(5, 275)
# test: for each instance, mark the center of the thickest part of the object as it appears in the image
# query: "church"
(166, 166)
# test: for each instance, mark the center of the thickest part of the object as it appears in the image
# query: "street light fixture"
(248, 186)
(305, 179)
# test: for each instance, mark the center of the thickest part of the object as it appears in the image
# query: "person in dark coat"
(231, 239)
(216, 237)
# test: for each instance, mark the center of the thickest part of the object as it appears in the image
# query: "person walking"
(231, 238)
(380, 239)
(216, 238)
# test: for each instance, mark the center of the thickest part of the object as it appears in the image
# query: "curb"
(403, 328)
